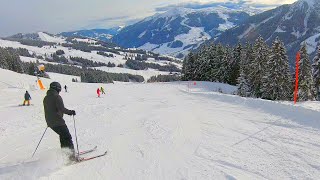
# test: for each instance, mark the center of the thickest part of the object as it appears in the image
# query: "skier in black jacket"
(54, 110)
(27, 98)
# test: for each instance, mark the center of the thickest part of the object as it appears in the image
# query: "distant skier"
(65, 88)
(98, 92)
(54, 110)
(27, 98)
(102, 90)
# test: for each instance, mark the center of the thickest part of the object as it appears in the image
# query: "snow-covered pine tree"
(218, 64)
(187, 66)
(316, 73)
(244, 81)
(244, 86)
(226, 68)
(211, 63)
(306, 85)
(202, 63)
(17, 65)
(234, 72)
(11, 60)
(260, 53)
(277, 82)
(3, 61)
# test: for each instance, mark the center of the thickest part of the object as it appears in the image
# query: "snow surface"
(279, 30)
(312, 43)
(48, 38)
(159, 131)
(147, 74)
(227, 24)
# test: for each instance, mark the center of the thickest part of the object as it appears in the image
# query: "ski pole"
(40, 141)
(75, 132)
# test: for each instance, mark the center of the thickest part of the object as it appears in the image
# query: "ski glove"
(73, 112)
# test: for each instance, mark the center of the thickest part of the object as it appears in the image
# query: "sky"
(55, 16)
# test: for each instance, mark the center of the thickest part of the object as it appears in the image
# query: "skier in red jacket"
(98, 92)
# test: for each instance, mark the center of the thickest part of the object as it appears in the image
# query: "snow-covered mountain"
(101, 34)
(294, 24)
(178, 30)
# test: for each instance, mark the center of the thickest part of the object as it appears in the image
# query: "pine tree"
(306, 85)
(316, 72)
(3, 62)
(188, 68)
(201, 64)
(226, 65)
(244, 81)
(209, 65)
(261, 53)
(234, 72)
(277, 82)
(218, 64)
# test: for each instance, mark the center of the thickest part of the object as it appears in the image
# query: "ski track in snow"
(159, 131)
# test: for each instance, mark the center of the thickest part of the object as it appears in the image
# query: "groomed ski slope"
(159, 131)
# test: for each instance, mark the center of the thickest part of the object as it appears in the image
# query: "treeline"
(86, 62)
(76, 61)
(85, 47)
(257, 69)
(140, 65)
(104, 54)
(164, 78)
(58, 59)
(87, 75)
(20, 52)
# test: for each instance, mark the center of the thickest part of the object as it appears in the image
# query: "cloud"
(112, 18)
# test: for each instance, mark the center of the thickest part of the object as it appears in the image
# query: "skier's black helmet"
(56, 86)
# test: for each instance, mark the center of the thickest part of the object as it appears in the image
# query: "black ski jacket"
(54, 109)
(27, 96)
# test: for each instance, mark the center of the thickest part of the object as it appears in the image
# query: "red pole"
(297, 78)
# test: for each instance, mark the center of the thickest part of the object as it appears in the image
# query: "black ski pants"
(65, 136)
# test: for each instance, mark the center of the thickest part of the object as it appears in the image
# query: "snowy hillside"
(44, 50)
(159, 131)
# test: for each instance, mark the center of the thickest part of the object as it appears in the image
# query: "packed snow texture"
(179, 130)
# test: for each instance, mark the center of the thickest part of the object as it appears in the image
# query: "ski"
(88, 151)
(90, 158)
(25, 105)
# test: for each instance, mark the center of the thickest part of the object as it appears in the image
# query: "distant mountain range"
(179, 30)
(101, 34)
(176, 31)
